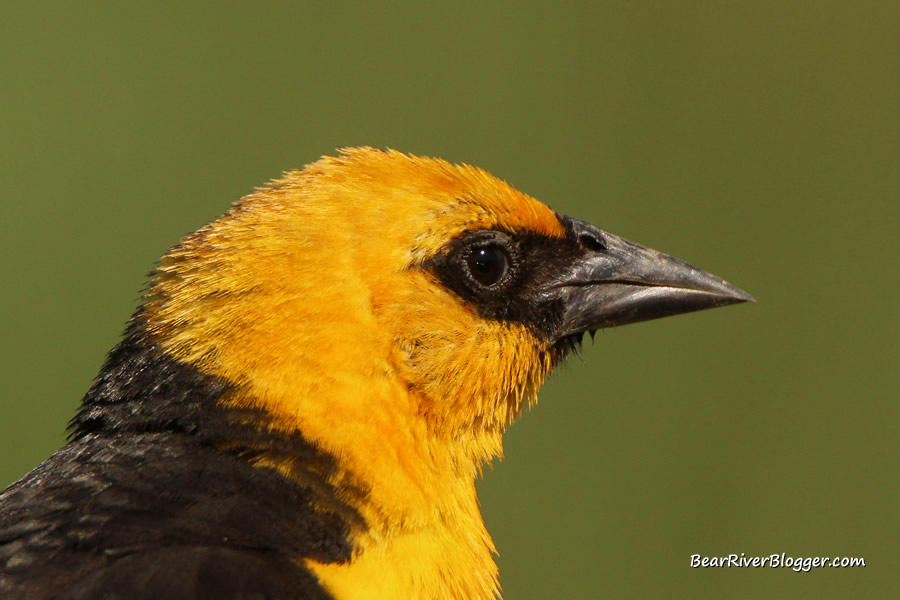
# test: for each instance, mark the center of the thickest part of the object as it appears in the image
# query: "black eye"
(487, 264)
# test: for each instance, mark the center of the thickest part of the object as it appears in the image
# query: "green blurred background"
(758, 140)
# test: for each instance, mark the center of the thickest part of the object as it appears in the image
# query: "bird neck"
(421, 534)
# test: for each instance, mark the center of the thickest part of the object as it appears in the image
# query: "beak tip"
(740, 295)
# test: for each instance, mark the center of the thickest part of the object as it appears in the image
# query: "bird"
(313, 382)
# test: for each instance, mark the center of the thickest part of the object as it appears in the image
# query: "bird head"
(379, 287)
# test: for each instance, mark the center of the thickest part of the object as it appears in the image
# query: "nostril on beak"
(590, 237)
(591, 241)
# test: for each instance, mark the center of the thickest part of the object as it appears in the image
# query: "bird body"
(302, 404)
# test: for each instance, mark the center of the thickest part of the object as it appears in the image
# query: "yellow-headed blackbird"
(301, 405)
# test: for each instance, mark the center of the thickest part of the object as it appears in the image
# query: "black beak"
(616, 282)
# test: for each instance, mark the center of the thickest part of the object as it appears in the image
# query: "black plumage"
(149, 498)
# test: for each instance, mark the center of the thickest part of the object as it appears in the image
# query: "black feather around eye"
(501, 274)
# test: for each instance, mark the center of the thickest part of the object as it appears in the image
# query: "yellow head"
(321, 281)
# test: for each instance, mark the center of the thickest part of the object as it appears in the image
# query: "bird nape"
(302, 404)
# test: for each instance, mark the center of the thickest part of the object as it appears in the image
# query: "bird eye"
(488, 265)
